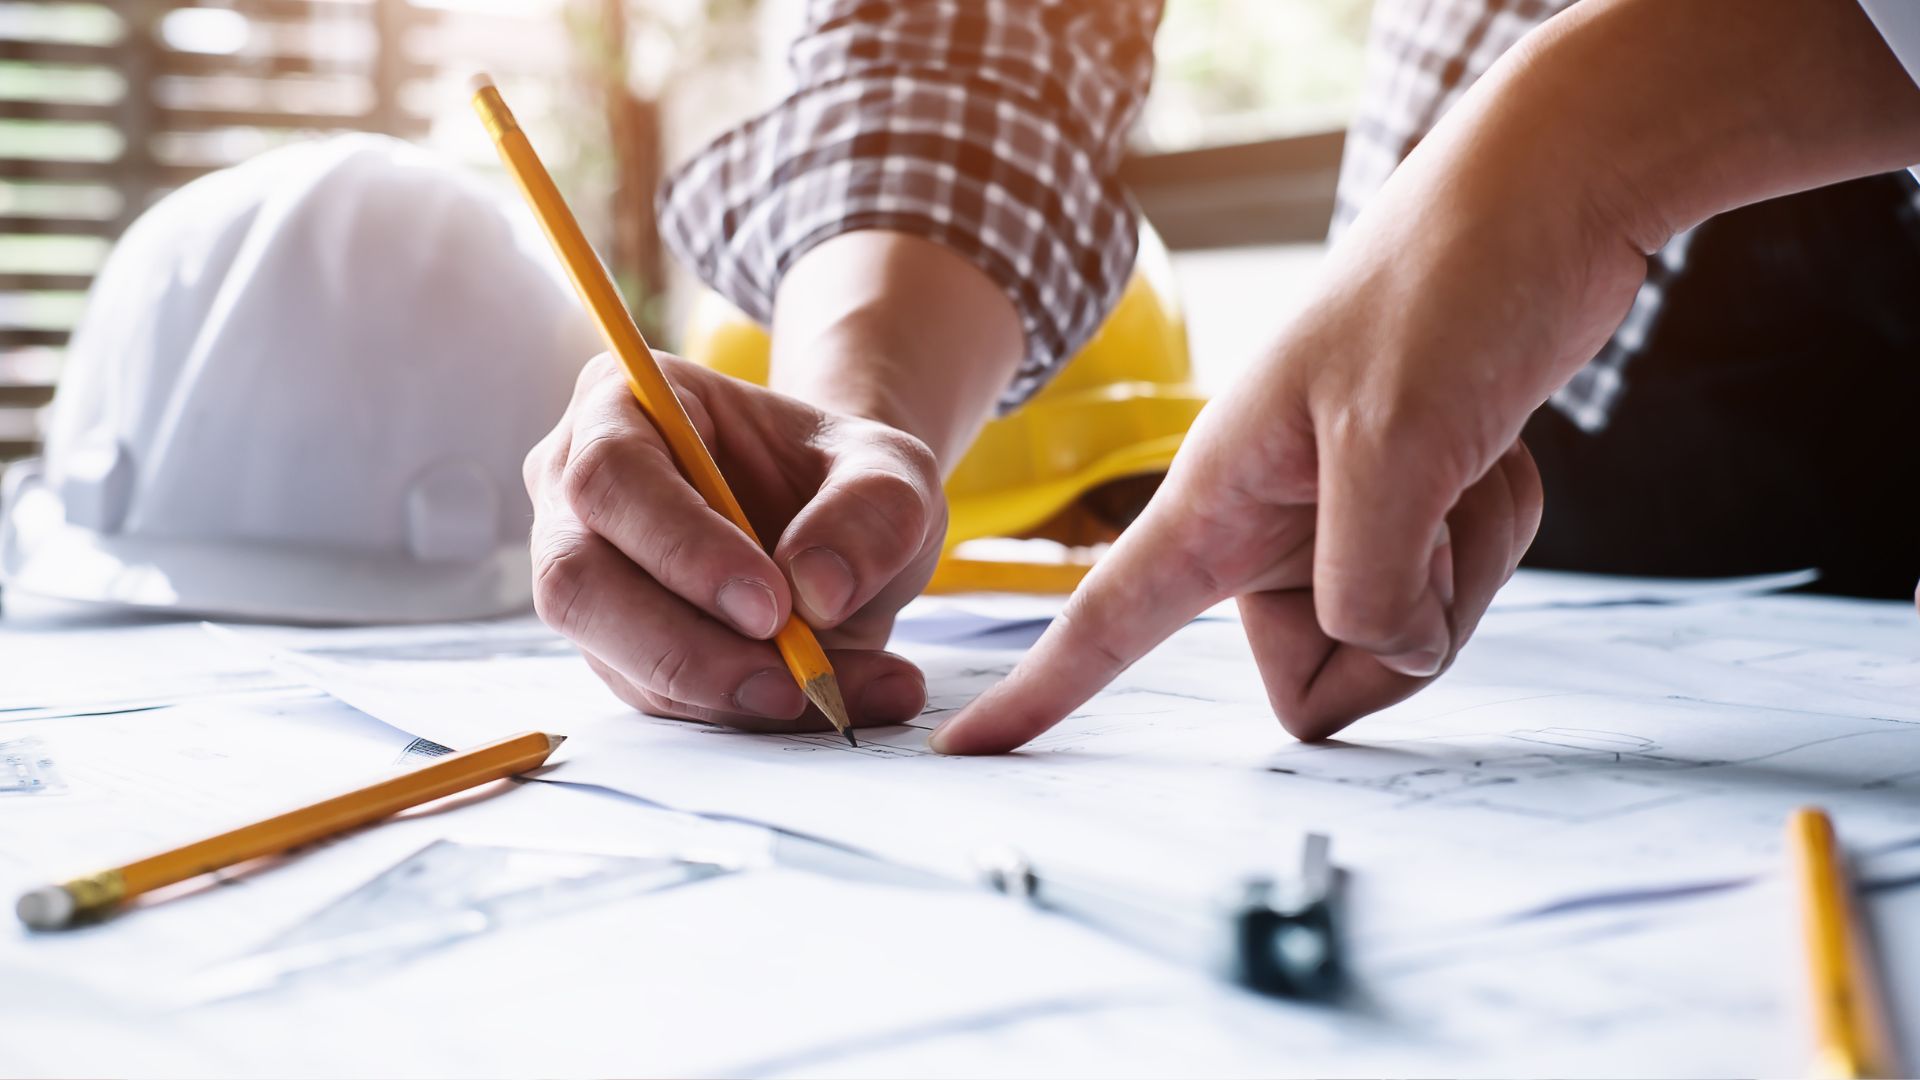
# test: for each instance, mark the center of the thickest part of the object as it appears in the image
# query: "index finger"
(1147, 586)
(621, 481)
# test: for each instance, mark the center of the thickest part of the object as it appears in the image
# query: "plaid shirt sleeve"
(1422, 57)
(993, 127)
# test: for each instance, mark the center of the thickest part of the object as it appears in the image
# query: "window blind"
(106, 107)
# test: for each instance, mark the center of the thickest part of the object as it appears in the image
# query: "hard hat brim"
(1015, 512)
(43, 555)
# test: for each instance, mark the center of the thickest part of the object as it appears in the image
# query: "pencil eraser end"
(48, 907)
(479, 81)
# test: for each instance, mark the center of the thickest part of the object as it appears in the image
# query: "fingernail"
(1419, 664)
(769, 693)
(750, 607)
(937, 742)
(892, 699)
(824, 582)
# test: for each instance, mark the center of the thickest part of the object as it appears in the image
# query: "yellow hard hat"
(1075, 463)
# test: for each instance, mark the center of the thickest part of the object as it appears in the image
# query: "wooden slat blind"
(105, 107)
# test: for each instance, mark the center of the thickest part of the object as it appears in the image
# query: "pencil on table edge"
(53, 907)
(1849, 1040)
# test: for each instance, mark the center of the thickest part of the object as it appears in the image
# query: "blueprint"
(1573, 752)
(601, 971)
(1563, 860)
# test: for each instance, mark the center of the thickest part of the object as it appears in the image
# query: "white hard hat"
(302, 390)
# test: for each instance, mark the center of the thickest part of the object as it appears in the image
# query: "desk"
(810, 961)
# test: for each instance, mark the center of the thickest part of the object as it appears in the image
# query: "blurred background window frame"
(1239, 144)
(107, 105)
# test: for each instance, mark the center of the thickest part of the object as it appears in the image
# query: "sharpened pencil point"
(824, 692)
(851, 741)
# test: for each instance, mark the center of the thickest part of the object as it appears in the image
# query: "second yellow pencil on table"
(1849, 1037)
(798, 647)
(52, 907)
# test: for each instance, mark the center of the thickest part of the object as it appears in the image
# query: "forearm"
(1673, 112)
(896, 328)
(803, 216)
(1514, 238)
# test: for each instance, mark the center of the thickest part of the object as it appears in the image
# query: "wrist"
(897, 329)
(859, 365)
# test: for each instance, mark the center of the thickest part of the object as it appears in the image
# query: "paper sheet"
(636, 981)
(766, 964)
(1706, 988)
(1015, 621)
(56, 661)
(1561, 589)
(1565, 862)
(134, 783)
(791, 975)
(1570, 754)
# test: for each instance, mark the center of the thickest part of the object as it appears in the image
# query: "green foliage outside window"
(1244, 70)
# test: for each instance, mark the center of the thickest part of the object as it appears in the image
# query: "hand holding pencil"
(650, 583)
(650, 500)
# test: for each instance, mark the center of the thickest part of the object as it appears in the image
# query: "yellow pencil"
(51, 907)
(1848, 1031)
(796, 642)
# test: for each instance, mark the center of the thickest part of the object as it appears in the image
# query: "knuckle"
(672, 672)
(591, 473)
(916, 455)
(1304, 722)
(595, 371)
(1421, 447)
(677, 369)
(1303, 713)
(649, 702)
(1197, 568)
(683, 553)
(530, 468)
(1360, 617)
(1081, 628)
(533, 467)
(895, 503)
(639, 697)
(616, 682)
(676, 558)
(1307, 711)
(1523, 480)
(561, 583)
(1288, 701)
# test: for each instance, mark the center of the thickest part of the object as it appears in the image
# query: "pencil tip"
(824, 692)
(554, 741)
(851, 741)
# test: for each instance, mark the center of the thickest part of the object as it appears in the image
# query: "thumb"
(1146, 587)
(1382, 564)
